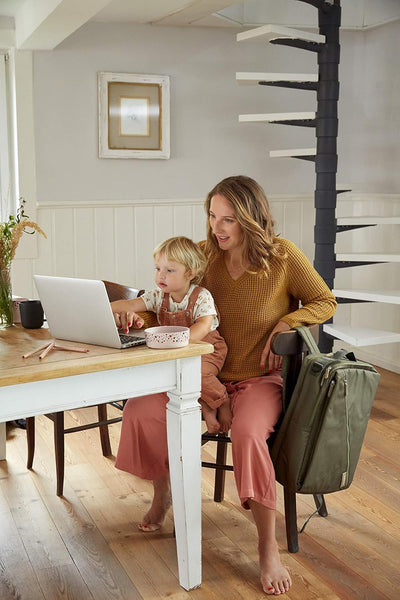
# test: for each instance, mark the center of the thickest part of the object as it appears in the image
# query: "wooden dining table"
(66, 380)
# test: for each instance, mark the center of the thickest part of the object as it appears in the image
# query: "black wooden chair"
(115, 291)
(291, 345)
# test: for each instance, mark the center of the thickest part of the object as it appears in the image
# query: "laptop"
(79, 310)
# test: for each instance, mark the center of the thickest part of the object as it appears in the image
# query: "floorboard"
(86, 545)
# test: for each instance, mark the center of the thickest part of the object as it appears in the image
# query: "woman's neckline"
(235, 272)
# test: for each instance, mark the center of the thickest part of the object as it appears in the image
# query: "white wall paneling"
(115, 241)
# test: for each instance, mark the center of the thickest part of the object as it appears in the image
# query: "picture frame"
(134, 115)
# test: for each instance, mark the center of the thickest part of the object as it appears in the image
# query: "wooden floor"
(87, 546)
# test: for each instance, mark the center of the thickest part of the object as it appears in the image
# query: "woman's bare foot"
(275, 578)
(154, 518)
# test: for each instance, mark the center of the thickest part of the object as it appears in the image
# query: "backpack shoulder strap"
(304, 332)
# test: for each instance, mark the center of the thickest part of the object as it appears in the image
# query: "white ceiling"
(43, 24)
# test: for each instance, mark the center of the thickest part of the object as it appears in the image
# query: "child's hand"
(137, 321)
(126, 319)
(225, 417)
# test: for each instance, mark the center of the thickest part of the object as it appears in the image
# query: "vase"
(6, 305)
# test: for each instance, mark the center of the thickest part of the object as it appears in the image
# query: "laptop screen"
(78, 310)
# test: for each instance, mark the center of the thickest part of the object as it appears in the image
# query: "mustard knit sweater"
(251, 306)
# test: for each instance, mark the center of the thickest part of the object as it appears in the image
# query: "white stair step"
(389, 297)
(340, 185)
(265, 33)
(368, 220)
(293, 152)
(357, 336)
(368, 257)
(255, 78)
(271, 117)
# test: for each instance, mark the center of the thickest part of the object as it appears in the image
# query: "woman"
(257, 281)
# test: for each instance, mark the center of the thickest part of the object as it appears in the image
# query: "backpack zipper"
(325, 375)
(345, 475)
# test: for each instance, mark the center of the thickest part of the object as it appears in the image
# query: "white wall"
(369, 115)
(207, 142)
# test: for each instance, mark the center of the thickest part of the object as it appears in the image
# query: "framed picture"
(133, 115)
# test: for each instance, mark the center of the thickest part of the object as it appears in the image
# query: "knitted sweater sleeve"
(317, 303)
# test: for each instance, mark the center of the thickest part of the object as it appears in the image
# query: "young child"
(178, 300)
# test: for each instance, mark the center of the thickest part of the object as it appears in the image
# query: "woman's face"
(224, 223)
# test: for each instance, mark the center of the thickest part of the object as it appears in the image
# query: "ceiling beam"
(44, 24)
(192, 12)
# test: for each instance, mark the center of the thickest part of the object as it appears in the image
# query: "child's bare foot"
(211, 420)
(275, 579)
(225, 416)
(154, 518)
(150, 527)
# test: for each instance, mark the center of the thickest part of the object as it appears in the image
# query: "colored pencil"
(47, 350)
(37, 350)
(70, 348)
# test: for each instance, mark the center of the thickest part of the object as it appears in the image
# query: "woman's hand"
(269, 360)
(126, 319)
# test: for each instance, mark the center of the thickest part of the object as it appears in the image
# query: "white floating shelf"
(357, 336)
(255, 78)
(367, 257)
(266, 33)
(368, 221)
(271, 117)
(293, 153)
(389, 297)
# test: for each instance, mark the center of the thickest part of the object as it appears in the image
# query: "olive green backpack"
(319, 439)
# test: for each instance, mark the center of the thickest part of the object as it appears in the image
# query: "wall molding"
(159, 201)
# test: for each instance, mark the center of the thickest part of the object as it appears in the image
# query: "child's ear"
(190, 274)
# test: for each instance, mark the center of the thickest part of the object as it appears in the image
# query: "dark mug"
(31, 312)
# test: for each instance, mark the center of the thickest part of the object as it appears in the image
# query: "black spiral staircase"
(325, 121)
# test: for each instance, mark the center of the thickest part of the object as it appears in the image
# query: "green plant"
(10, 234)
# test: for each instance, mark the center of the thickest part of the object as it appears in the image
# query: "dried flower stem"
(10, 234)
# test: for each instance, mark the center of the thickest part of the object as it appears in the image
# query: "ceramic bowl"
(167, 336)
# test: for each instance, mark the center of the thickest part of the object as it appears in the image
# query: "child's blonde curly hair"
(185, 252)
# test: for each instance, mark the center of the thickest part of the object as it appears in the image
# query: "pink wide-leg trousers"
(256, 405)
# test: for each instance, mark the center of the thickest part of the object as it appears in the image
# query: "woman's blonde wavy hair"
(253, 214)
(185, 252)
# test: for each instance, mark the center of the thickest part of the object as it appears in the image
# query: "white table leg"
(2, 441)
(184, 448)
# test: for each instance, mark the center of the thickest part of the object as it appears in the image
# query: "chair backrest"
(290, 342)
(292, 347)
(117, 291)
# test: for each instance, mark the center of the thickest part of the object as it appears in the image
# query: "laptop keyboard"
(131, 340)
